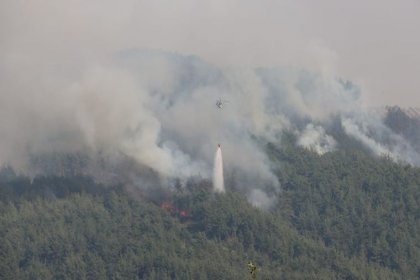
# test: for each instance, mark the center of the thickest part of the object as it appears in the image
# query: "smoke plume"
(89, 84)
(371, 131)
(157, 109)
(314, 138)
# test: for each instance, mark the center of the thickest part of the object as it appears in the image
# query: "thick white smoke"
(155, 107)
(70, 84)
(314, 138)
(158, 108)
(218, 179)
(379, 139)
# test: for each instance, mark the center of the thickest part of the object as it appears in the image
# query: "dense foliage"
(343, 215)
(361, 206)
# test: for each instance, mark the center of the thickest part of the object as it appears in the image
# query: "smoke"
(314, 138)
(65, 34)
(370, 130)
(69, 81)
(218, 179)
(154, 107)
(260, 199)
(86, 85)
(156, 111)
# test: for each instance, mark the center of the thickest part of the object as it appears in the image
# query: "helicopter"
(220, 103)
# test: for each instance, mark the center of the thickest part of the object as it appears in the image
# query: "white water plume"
(218, 181)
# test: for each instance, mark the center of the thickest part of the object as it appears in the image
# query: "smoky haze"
(372, 43)
(140, 79)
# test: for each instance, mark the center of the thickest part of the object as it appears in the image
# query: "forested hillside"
(341, 215)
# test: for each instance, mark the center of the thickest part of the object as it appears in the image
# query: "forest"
(208, 140)
(341, 215)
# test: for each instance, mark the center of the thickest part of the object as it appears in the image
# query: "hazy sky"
(374, 43)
